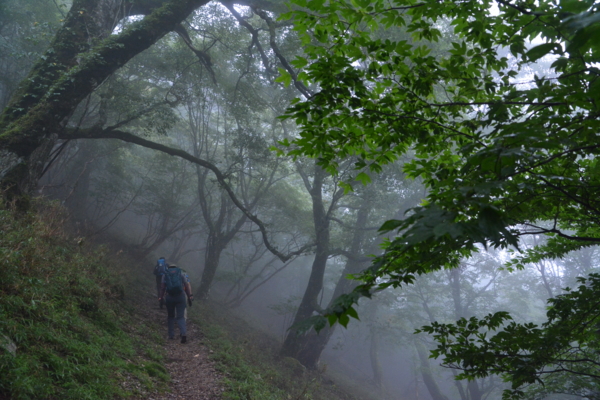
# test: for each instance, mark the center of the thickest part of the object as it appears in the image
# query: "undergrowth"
(249, 361)
(61, 306)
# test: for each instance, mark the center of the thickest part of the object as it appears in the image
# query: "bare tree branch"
(108, 133)
(254, 33)
(203, 56)
(299, 85)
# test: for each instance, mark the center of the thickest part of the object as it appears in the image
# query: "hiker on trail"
(159, 270)
(174, 290)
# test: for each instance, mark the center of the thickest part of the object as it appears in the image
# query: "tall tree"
(85, 51)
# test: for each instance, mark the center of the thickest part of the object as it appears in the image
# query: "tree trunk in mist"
(307, 348)
(77, 198)
(474, 390)
(214, 247)
(300, 346)
(221, 230)
(375, 362)
(81, 56)
(460, 311)
(428, 379)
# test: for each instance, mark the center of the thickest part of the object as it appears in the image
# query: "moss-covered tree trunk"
(81, 56)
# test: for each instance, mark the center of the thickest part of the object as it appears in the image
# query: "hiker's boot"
(183, 339)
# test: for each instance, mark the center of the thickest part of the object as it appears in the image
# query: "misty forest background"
(182, 150)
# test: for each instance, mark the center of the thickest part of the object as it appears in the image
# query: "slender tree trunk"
(428, 379)
(214, 248)
(474, 390)
(460, 311)
(301, 346)
(459, 386)
(375, 362)
(308, 348)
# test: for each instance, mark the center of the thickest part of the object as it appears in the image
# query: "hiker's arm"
(188, 290)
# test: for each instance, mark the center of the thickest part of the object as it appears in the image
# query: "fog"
(215, 95)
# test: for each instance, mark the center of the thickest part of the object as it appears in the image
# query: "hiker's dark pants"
(158, 284)
(176, 303)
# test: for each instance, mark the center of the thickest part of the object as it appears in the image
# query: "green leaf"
(540, 51)
(363, 178)
(352, 312)
(284, 77)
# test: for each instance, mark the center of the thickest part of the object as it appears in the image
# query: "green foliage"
(524, 353)
(60, 306)
(501, 159)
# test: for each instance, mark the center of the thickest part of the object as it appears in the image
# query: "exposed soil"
(193, 374)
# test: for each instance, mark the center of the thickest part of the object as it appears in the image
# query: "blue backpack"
(174, 281)
(161, 267)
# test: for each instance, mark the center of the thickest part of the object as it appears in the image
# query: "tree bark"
(214, 248)
(308, 348)
(300, 346)
(82, 55)
(375, 362)
(460, 311)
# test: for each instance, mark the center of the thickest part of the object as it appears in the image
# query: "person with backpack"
(159, 270)
(174, 290)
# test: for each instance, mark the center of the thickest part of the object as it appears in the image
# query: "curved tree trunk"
(82, 55)
(214, 248)
(428, 379)
(300, 346)
(307, 348)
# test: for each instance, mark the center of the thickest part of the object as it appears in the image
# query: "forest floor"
(193, 373)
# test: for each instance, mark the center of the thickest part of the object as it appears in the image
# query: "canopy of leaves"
(502, 157)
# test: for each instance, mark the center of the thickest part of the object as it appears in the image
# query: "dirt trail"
(193, 375)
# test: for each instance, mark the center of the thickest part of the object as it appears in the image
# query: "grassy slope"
(248, 358)
(61, 305)
(65, 307)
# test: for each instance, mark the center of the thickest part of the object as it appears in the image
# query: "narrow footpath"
(193, 374)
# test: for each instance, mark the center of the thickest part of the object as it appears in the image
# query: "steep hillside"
(81, 321)
(65, 330)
